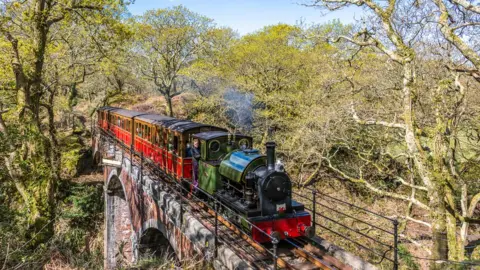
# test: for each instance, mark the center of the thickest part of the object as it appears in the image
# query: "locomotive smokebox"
(270, 155)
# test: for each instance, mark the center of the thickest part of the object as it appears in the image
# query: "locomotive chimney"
(270, 155)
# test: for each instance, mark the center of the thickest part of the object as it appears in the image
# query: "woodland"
(384, 113)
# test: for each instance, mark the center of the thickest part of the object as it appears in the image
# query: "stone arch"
(119, 245)
(154, 244)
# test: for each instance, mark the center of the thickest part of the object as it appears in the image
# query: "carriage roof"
(154, 118)
(107, 108)
(127, 113)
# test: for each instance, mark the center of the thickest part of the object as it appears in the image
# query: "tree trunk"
(439, 226)
(169, 103)
(436, 191)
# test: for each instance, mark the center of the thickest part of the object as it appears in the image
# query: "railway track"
(299, 253)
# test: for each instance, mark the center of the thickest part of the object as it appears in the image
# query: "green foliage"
(168, 41)
(72, 153)
(79, 221)
(407, 261)
(83, 205)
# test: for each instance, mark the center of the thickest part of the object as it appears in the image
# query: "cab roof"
(208, 135)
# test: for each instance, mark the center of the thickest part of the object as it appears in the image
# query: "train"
(253, 186)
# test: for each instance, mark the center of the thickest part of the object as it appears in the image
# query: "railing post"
(216, 228)
(314, 210)
(275, 252)
(395, 244)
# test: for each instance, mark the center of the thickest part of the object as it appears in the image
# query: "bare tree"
(431, 139)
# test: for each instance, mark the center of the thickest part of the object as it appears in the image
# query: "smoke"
(239, 108)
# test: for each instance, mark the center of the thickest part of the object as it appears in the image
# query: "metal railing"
(388, 250)
(319, 218)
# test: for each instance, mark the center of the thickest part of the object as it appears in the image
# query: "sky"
(247, 16)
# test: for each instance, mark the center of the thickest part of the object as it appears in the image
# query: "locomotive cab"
(214, 146)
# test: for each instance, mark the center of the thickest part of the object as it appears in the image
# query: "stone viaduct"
(143, 214)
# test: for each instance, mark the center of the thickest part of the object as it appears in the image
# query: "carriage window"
(160, 137)
(175, 143)
(149, 137)
(165, 138)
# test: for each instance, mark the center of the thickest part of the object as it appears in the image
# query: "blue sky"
(247, 16)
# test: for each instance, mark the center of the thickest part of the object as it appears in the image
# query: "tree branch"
(374, 122)
(468, 6)
(453, 38)
(401, 180)
(473, 204)
(418, 221)
(375, 189)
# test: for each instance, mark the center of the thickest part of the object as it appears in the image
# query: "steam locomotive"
(252, 185)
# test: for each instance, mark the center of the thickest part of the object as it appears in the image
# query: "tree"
(429, 116)
(271, 65)
(28, 32)
(168, 41)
